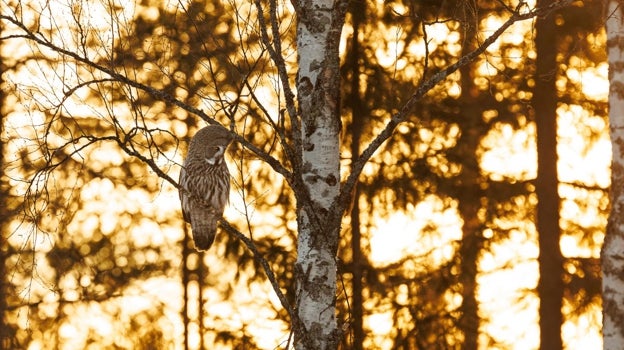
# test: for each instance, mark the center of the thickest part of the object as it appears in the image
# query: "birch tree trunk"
(319, 25)
(613, 249)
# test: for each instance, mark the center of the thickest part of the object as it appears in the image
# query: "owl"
(205, 183)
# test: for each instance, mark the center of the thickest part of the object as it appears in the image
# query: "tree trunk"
(613, 249)
(550, 286)
(319, 25)
(358, 116)
(7, 332)
(469, 183)
(186, 279)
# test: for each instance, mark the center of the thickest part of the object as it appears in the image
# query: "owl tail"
(204, 228)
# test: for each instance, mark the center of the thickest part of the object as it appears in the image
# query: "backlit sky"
(510, 314)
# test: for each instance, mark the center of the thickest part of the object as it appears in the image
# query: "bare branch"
(158, 94)
(265, 266)
(423, 88)
(275, 50)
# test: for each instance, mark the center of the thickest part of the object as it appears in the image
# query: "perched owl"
(206, 182)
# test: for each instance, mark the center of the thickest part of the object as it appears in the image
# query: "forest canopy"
(395, 175)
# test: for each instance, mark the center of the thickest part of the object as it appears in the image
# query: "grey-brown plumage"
(205, 181)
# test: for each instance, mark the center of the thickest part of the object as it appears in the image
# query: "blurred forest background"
(441, 249)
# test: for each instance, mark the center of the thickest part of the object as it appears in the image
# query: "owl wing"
(203, 195)
(200, 207)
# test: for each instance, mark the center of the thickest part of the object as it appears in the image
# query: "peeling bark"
(612, 254)
(318, 85)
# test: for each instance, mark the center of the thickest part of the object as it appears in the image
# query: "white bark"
(613, 248)
(318, 36)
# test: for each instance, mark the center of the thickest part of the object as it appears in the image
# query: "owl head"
(209, 144)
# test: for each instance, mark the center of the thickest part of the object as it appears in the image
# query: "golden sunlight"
(102, 253)
(511, 267)
(404, 233)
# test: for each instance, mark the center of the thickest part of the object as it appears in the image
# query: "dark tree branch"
(158, 94)
(423, 88)
(275, 49)
(294, 317)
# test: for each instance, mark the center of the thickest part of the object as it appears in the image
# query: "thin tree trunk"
(612, 254)
(319, 25)
(201, 274)
(357, 284)
(4, 326)
(186, 278)
(358, 112)
(468, 205)
(7, 332)
(470, 193)
(550, 286)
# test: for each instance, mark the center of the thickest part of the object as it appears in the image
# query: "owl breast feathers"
(205, 183)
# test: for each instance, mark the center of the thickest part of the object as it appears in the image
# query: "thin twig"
(342, 202)
(275, 52)
(158, 94)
